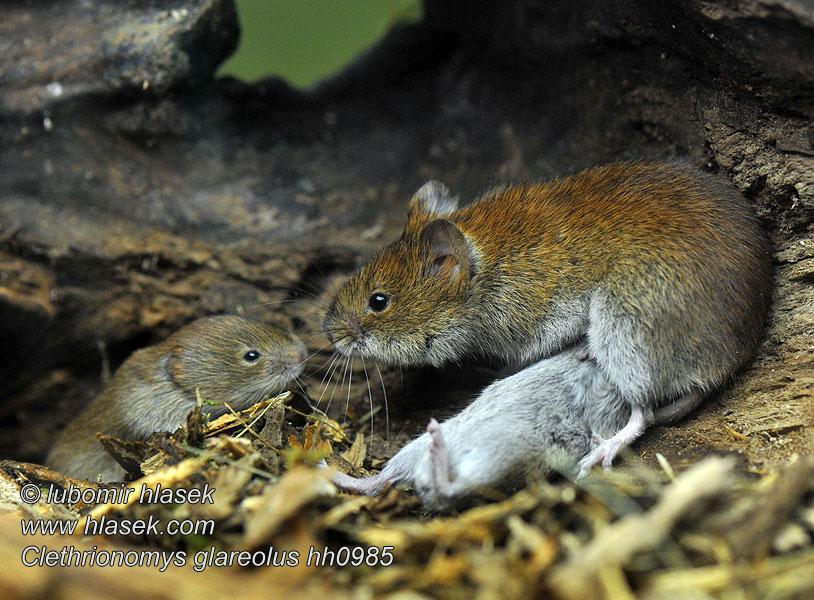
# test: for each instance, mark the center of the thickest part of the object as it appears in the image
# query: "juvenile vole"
(538, 420)
(664, 270)
(229, 359)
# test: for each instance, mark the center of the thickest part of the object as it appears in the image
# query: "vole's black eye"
(251, 356)
(378, 301)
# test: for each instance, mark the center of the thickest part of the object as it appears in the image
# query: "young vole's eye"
(251, 356)
(378, 301)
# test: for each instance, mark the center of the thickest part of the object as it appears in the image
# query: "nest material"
(712, 531)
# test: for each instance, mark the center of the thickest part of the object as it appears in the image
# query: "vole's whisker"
(340, 367)
(313, 307)
(386, 408)
(299, 292)
(342, 383)
(335, 361)
(325, 347)
(333, 389)
(370, 401)
(317, 351)
(270, 303)
(323, 385)
(334, 386)
(301, 387)
(311, 336)
(350, 376)
(322, 307)
(330, 359)
(328, 371)
(305, 292)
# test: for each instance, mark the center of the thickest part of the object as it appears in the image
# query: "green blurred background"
(304, 41)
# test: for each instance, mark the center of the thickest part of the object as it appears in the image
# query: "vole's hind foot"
(439, 460)
(433, 482)
(607, 449)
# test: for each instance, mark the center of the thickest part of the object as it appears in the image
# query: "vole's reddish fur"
(154, 389)
(663, 269)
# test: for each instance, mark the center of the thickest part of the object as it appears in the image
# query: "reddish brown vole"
(664, 270)
(230, 359)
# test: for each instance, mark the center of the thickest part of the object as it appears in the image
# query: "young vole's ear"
(448, 252)
(431, 199)
(173, 365)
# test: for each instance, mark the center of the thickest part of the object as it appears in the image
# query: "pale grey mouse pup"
(531, 423)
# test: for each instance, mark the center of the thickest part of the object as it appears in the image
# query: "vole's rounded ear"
(447, 250)
(431, 199)
(173, 365)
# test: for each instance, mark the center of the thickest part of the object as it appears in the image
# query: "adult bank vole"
(663, 270)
